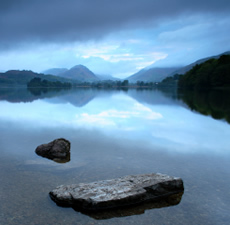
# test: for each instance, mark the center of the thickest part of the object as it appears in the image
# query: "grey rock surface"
(125, 191)
(58, 149)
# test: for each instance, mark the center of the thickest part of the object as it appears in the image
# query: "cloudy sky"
(111, 37)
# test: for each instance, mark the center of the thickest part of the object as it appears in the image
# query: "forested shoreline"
(214, 73)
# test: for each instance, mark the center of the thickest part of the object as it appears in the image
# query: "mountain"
(79, 73)
(156, 74)
(22, 77)
(54, 71)
(107, 77)
(185, 69)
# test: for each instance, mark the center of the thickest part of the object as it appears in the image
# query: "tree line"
(210, 74)
(37, 82)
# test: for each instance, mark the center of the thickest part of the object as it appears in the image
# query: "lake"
(115, 133)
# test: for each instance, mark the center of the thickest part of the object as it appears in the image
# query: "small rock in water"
(114, 193)
(58, 149)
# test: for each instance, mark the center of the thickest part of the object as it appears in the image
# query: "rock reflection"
(172, 200)
(57, 160)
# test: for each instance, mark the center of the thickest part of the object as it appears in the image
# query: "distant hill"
(22, 77)
(79, 73)
(74, 72)
(107, 77)
(54, 71)
(152, 75)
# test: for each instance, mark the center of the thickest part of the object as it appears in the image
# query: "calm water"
(112, 134)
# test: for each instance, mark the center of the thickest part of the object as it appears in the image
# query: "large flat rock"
(114, 193)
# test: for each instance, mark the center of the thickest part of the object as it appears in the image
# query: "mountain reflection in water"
(215, 103)
(114, 133)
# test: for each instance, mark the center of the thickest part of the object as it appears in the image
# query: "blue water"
(112, 134)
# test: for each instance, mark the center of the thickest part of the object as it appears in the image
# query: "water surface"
(112, 134)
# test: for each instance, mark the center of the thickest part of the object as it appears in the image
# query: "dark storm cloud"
(70, 20)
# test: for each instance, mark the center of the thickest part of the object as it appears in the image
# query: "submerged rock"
(125, 191)
(57, 150)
